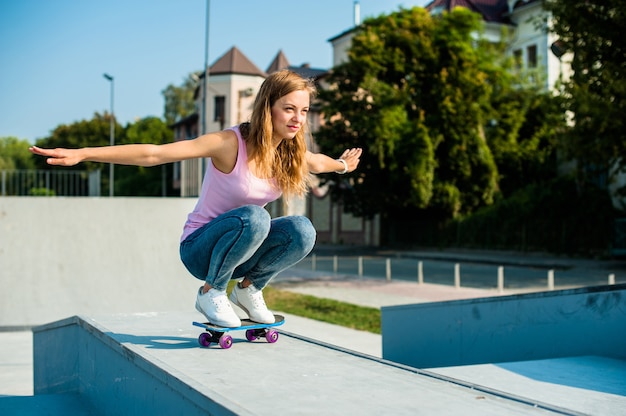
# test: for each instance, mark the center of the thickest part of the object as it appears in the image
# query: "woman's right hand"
(59, 156)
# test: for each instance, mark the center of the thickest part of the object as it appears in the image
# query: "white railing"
(448, 272)
(49, 183)
(191, 175)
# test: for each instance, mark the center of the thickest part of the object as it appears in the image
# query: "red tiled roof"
(521, 3)
(490, 10)
(235, 62)
(279, 62)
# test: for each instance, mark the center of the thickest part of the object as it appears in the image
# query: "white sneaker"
(250, 299)
(214, 305)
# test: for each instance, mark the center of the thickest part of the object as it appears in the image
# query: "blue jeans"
(246, 241)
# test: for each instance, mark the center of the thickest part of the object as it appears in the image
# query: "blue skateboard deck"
(254, 330)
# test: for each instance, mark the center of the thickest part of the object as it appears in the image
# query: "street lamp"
(206, 70)
(111, 133)
(205, 98)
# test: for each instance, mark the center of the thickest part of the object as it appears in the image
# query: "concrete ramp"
(89, 256)
(152, 364)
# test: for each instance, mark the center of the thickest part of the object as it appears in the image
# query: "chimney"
(357, 13)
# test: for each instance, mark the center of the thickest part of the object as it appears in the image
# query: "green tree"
(179, 100)
(129, 180)
(591, 32)
(145, 181)
(414, 94)
(523, 137)
(446, 126)
(14, 154)
(84, 133)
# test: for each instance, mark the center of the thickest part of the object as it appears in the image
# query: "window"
(220, 108)
(517, 59)
(531, 53)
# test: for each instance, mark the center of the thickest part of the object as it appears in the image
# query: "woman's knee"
(302, 232)
(257, 218)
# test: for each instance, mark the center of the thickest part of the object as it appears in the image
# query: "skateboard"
(254, 330)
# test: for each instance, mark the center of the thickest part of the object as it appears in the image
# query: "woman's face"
(289, 114)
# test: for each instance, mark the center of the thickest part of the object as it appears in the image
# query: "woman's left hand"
(352, 157)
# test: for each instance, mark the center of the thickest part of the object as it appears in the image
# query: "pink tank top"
(222, 192)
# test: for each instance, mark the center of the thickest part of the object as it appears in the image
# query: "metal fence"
(49, 183)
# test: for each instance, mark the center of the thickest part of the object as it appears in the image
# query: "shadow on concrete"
(157, 341)
(601, 374)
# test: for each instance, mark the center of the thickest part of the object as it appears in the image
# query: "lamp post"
(205, 91)
(205, 98)
(111, 134)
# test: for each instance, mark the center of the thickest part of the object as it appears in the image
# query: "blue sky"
(53, 53)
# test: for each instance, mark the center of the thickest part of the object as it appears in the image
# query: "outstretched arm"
(141, 155)
(320, 163)
(208, 145)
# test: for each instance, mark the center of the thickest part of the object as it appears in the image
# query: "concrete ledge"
(535, 326)
(152, 364)
(77, 355)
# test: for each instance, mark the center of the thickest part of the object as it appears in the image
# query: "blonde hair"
(286, 163)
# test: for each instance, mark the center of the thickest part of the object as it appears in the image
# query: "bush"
(41, 192)
(557, 217)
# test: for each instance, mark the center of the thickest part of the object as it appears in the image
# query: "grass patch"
(325, 310)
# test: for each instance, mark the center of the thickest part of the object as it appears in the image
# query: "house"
(534, 49)
(233, 83)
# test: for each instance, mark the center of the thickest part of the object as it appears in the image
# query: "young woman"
(229, 234)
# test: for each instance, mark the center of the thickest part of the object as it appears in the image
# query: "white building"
(532, 47)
